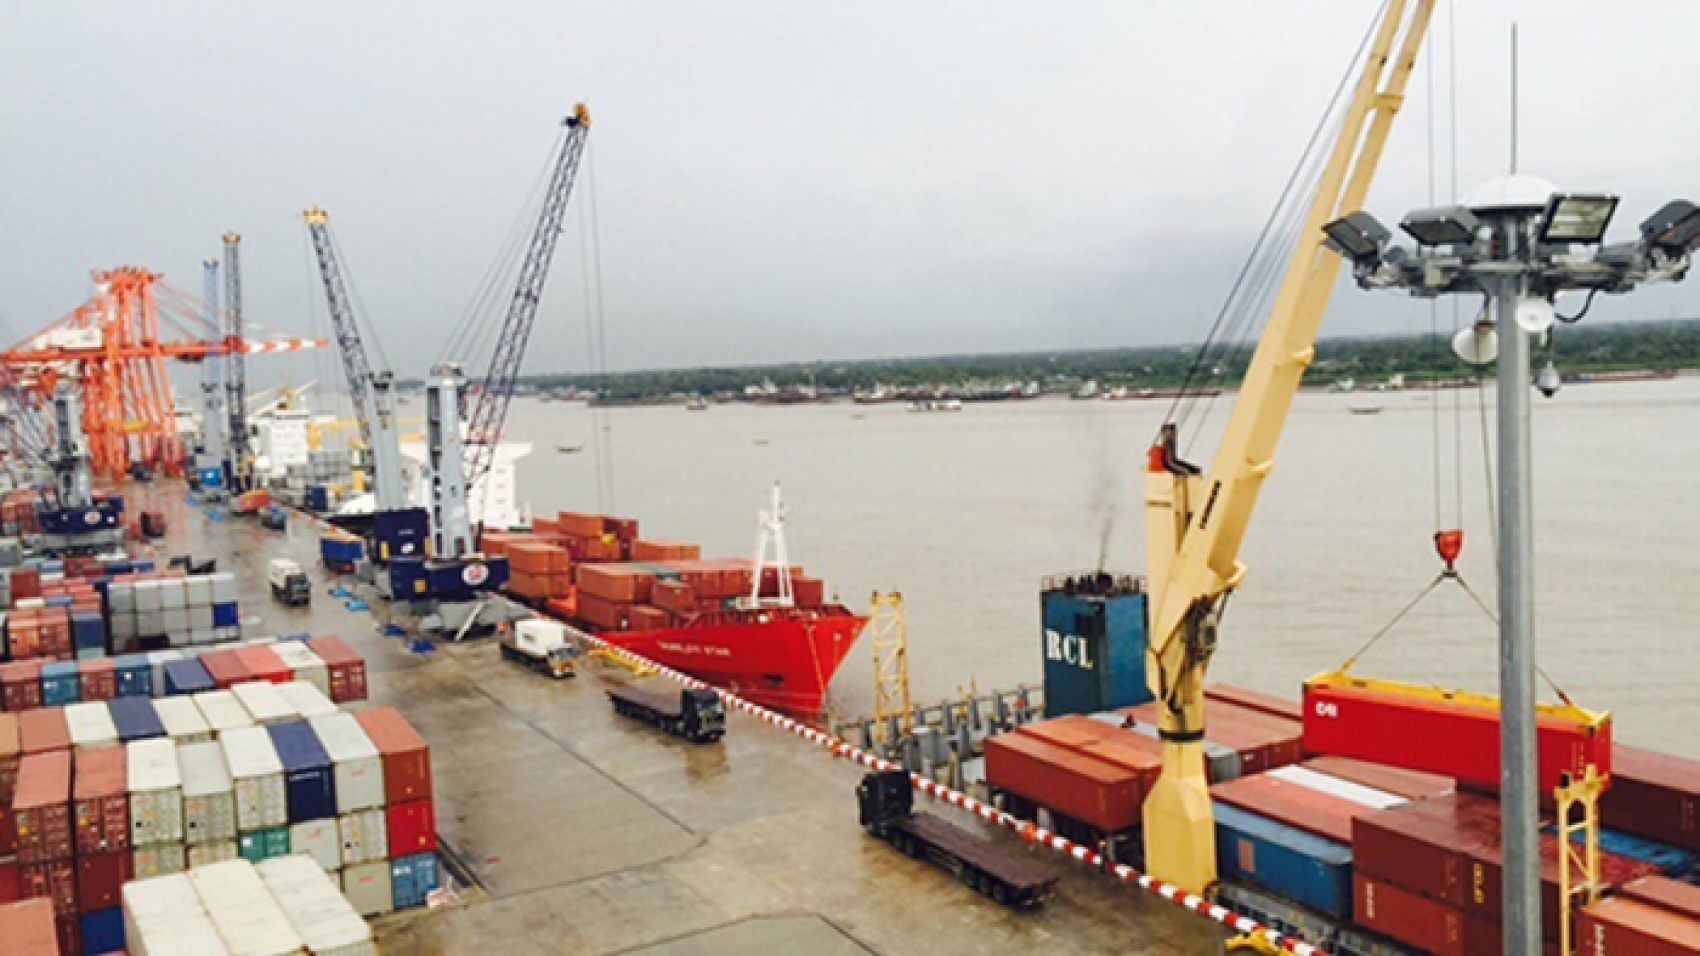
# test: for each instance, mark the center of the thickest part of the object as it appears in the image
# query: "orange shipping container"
(642, 617)
(601, 613)
(665, 551)
(675, 596)
(615, 583)
(579, 525)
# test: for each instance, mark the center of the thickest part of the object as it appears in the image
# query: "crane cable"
(596, 334)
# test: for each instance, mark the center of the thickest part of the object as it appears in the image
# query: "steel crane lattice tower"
(236, 375)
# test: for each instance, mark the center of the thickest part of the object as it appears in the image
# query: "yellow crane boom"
(1196, 522)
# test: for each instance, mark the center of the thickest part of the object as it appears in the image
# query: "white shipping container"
(164, 917)
(320, 840)
(223, 711)
(209, 795)
(369, 888)
(261, 802)
(306, 665)
(147, 596)
(243, 910)
(313, 903)
(365, 837)
(156, 792)
(198, 590)
(90, 725)
(263, 702)
(183, 721)
(121, 597)
(157, 661)
(358, 768)
(306, 700)
(160, 859)
(1337, 787)
(171, 595)
(203, 854)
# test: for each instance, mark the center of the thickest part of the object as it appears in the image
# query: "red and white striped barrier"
(1028, 831)
(283, 345)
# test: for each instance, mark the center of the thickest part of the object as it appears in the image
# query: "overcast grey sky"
(777, 180)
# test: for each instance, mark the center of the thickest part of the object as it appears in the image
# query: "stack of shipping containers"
(156, 809)
(101, 826)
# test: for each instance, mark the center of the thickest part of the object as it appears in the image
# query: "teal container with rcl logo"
(1093, 642)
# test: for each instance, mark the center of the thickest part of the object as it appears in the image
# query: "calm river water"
(965, 512)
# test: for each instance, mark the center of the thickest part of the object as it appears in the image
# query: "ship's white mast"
(770, 532)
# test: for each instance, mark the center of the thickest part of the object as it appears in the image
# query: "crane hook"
(1449, 544)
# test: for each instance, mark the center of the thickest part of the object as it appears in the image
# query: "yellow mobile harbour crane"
(1196, 521)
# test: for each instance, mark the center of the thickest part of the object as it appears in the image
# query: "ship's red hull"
(779, 659)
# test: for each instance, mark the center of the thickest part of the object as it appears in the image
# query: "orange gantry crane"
(114, 345)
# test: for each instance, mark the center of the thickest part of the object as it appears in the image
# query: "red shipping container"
(347, 669)
(54, 880)
(226, 668)
(642, 617)
(1295, 805)
(1452, 734)
(665, 551)
(602, 613)
(43, 730)
(1410, 784)
(100, 803)
(624, 529)
(412, 827)
(100, 880)
(579, 525)
(28, 929)
(97, 679)
(10, 890)
(407, 759)
(675, 596)
(1125, 749)
(1262, 742)
(41, 811)
(808, 592)
(1085, 789)
(1252, 700)
(1410, 918)
(262, 663)
(1654, 795)
(20, 685)
(1666, 894)
(1623, 927)
(26, 583)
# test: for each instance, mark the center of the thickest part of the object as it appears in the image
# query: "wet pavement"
(588, 833)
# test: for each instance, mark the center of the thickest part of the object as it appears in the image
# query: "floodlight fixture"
(1674, 228)
(1442, 226)
(1478, 344)
(1358, 237)
(1577, 218)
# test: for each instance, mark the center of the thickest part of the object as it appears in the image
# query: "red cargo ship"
(777, 645)
(779, 658)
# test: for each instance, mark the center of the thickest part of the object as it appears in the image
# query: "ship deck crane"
(490, 411)
(236, 370)
(398, 530)
(1196, 520)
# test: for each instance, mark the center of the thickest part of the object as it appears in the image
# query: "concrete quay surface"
(588, 833)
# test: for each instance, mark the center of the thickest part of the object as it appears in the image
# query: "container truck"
(289, 583)
(542, 646)
(888, 811)
(695, 714)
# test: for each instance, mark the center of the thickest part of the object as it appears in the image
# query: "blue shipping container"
(103, 932)
(1300, 866)
(413, 878)
(1672, 861)
(1093, 647)
(88, 631)
(57, 600)
(226, 615)
(60, 684)
(135, 718)
(307, 774)
(341, 551)
(135, 676)
(141, 564)
(187, 677)
(318, 498)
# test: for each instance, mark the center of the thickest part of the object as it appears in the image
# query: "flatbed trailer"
(1005, 877)
(695, 714)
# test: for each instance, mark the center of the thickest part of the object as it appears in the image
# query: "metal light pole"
(1520, 243)
(1519, 779)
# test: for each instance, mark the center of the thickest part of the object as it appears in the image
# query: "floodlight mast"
(1521, 257)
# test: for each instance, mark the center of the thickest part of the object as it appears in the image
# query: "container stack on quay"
(100, 793)
(280, 907)
(595, 569)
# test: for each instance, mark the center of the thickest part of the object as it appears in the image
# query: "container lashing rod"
(1195, 523)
